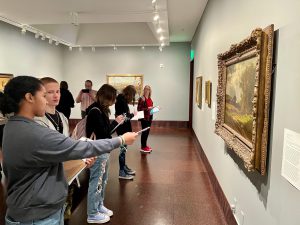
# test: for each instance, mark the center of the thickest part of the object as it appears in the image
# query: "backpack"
(80, 128)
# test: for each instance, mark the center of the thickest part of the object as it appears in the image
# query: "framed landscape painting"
(4, 78)
(199, 91)
(120, 81)
(243, 97)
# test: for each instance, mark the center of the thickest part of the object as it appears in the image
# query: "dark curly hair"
(15, 91)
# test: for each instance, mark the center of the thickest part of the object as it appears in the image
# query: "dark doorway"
(191, 94)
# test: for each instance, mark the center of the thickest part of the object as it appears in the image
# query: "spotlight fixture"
(162, 44)
(50, 41)
(115, 48)
(156, 17)
(36, 35)
(143, 47)
(160, 48)
(43, 38)
(80, 49)
(159, 30)
(23, 31)
(74, 18)
(93, 49)
(161, 38)
(70, 48)
(153, 1)
(57, 43)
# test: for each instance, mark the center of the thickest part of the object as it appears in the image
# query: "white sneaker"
(98, 218)
(106, 211)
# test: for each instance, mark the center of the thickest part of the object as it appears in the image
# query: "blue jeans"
(55, 219)
(122, 156)
(97, 184)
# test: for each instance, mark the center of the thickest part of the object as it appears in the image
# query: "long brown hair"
(129, 94)
(105, 96)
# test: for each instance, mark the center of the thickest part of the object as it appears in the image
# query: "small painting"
(199, 92)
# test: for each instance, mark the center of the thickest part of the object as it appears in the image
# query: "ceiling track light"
(93, 49)
(115, 48)
(57, 43)
(43, 38)
(160, 48)
(162, 44)
(156, 17)
(23, 31)
(37, 35)
(74, 18)
(80, 49)
(143, 47)
(50, 41)
(161, 38)
(70, 48)
(159, 30)
(153, 1)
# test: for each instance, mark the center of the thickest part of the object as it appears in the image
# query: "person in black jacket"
(126, 97)
(99, 125)
(66, 101)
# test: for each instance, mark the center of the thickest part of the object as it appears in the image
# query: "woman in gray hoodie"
(33, 155)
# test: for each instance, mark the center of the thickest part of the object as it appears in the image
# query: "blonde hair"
(150, 90)
(47, 80)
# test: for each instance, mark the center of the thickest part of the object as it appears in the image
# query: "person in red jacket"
(145, 104)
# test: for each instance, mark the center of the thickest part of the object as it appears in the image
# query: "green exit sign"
(192, 54)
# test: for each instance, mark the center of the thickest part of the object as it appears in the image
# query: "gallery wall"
(269, 200)
(25, 55)
(167, 72)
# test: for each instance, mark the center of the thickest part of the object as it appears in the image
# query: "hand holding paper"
(154, 110)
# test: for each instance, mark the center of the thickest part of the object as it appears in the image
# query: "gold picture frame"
(4, 78)
(199, 91)
(208, 93)
(243, 97)
(120, 81)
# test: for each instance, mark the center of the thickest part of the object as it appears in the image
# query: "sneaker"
(145, 150)
(128, 170)
(149, 148)
(123, 175)
(98, 218)
(106, 211)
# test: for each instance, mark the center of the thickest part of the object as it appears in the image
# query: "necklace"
(51, 117)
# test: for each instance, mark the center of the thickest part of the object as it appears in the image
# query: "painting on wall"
(120, 81)
(199, 91)
(4, 78)
(208, 93)
(243, 97)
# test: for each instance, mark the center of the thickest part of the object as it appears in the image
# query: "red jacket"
(143, 105)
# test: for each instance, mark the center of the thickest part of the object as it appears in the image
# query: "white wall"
(268, 200)
(170, 85)
(25, 55)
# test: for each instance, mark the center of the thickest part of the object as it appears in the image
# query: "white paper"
(139, 115)
(291, 157)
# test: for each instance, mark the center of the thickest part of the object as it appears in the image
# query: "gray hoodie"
(32, 162)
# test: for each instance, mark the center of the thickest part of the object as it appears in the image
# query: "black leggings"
(145, 134)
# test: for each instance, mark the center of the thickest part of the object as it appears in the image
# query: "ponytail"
(15, 91)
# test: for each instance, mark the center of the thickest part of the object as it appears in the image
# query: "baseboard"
(225, 206)
(155, 123)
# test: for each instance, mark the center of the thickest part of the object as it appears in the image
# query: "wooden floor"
(171, 186)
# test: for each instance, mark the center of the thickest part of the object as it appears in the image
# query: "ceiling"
(106, 23)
